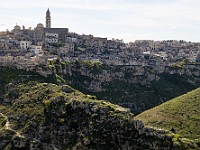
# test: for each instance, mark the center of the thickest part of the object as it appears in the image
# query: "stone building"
(24, 45)
(51, 37)
(16, 30)
(62, 33)
(38, 34)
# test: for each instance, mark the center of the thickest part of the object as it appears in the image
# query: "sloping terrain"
(13, 75)
(136, 97)
(128, 87)
(181, 115)
(47, 116)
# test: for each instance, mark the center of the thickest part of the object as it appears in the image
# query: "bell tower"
(48, 19)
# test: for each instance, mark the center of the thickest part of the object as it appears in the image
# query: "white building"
(71, 40)
(37, 50)
(24, 45)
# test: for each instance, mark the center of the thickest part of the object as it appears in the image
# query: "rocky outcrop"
(135, 87)
(50, 117)
(143, 75)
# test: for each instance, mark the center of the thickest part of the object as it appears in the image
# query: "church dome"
(40, 25)
(17, 27)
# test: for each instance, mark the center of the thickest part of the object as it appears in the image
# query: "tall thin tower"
(48, 19)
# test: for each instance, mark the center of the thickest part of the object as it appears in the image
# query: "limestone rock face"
(50, 117)
(67, 89)
(138, 88)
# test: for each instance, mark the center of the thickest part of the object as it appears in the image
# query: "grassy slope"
(181, 113)
(32, 100)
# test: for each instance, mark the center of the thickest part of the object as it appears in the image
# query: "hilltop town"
(63, 90)
(27, 48)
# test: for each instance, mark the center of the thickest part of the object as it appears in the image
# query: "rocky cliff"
(136, 87)
(45, 116)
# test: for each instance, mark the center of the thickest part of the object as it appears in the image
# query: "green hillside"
(48, 116)
(181, 113)
(35, 115)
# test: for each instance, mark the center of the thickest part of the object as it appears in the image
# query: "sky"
(129, 20)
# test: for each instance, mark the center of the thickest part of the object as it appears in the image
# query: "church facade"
(48, 31)
(42, 34)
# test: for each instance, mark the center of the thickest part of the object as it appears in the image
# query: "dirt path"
(7, 126)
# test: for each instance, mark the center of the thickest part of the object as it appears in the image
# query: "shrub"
(47, 103)
(3, 122)
(61, 120)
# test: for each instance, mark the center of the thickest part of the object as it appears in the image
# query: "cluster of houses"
(45, 43)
